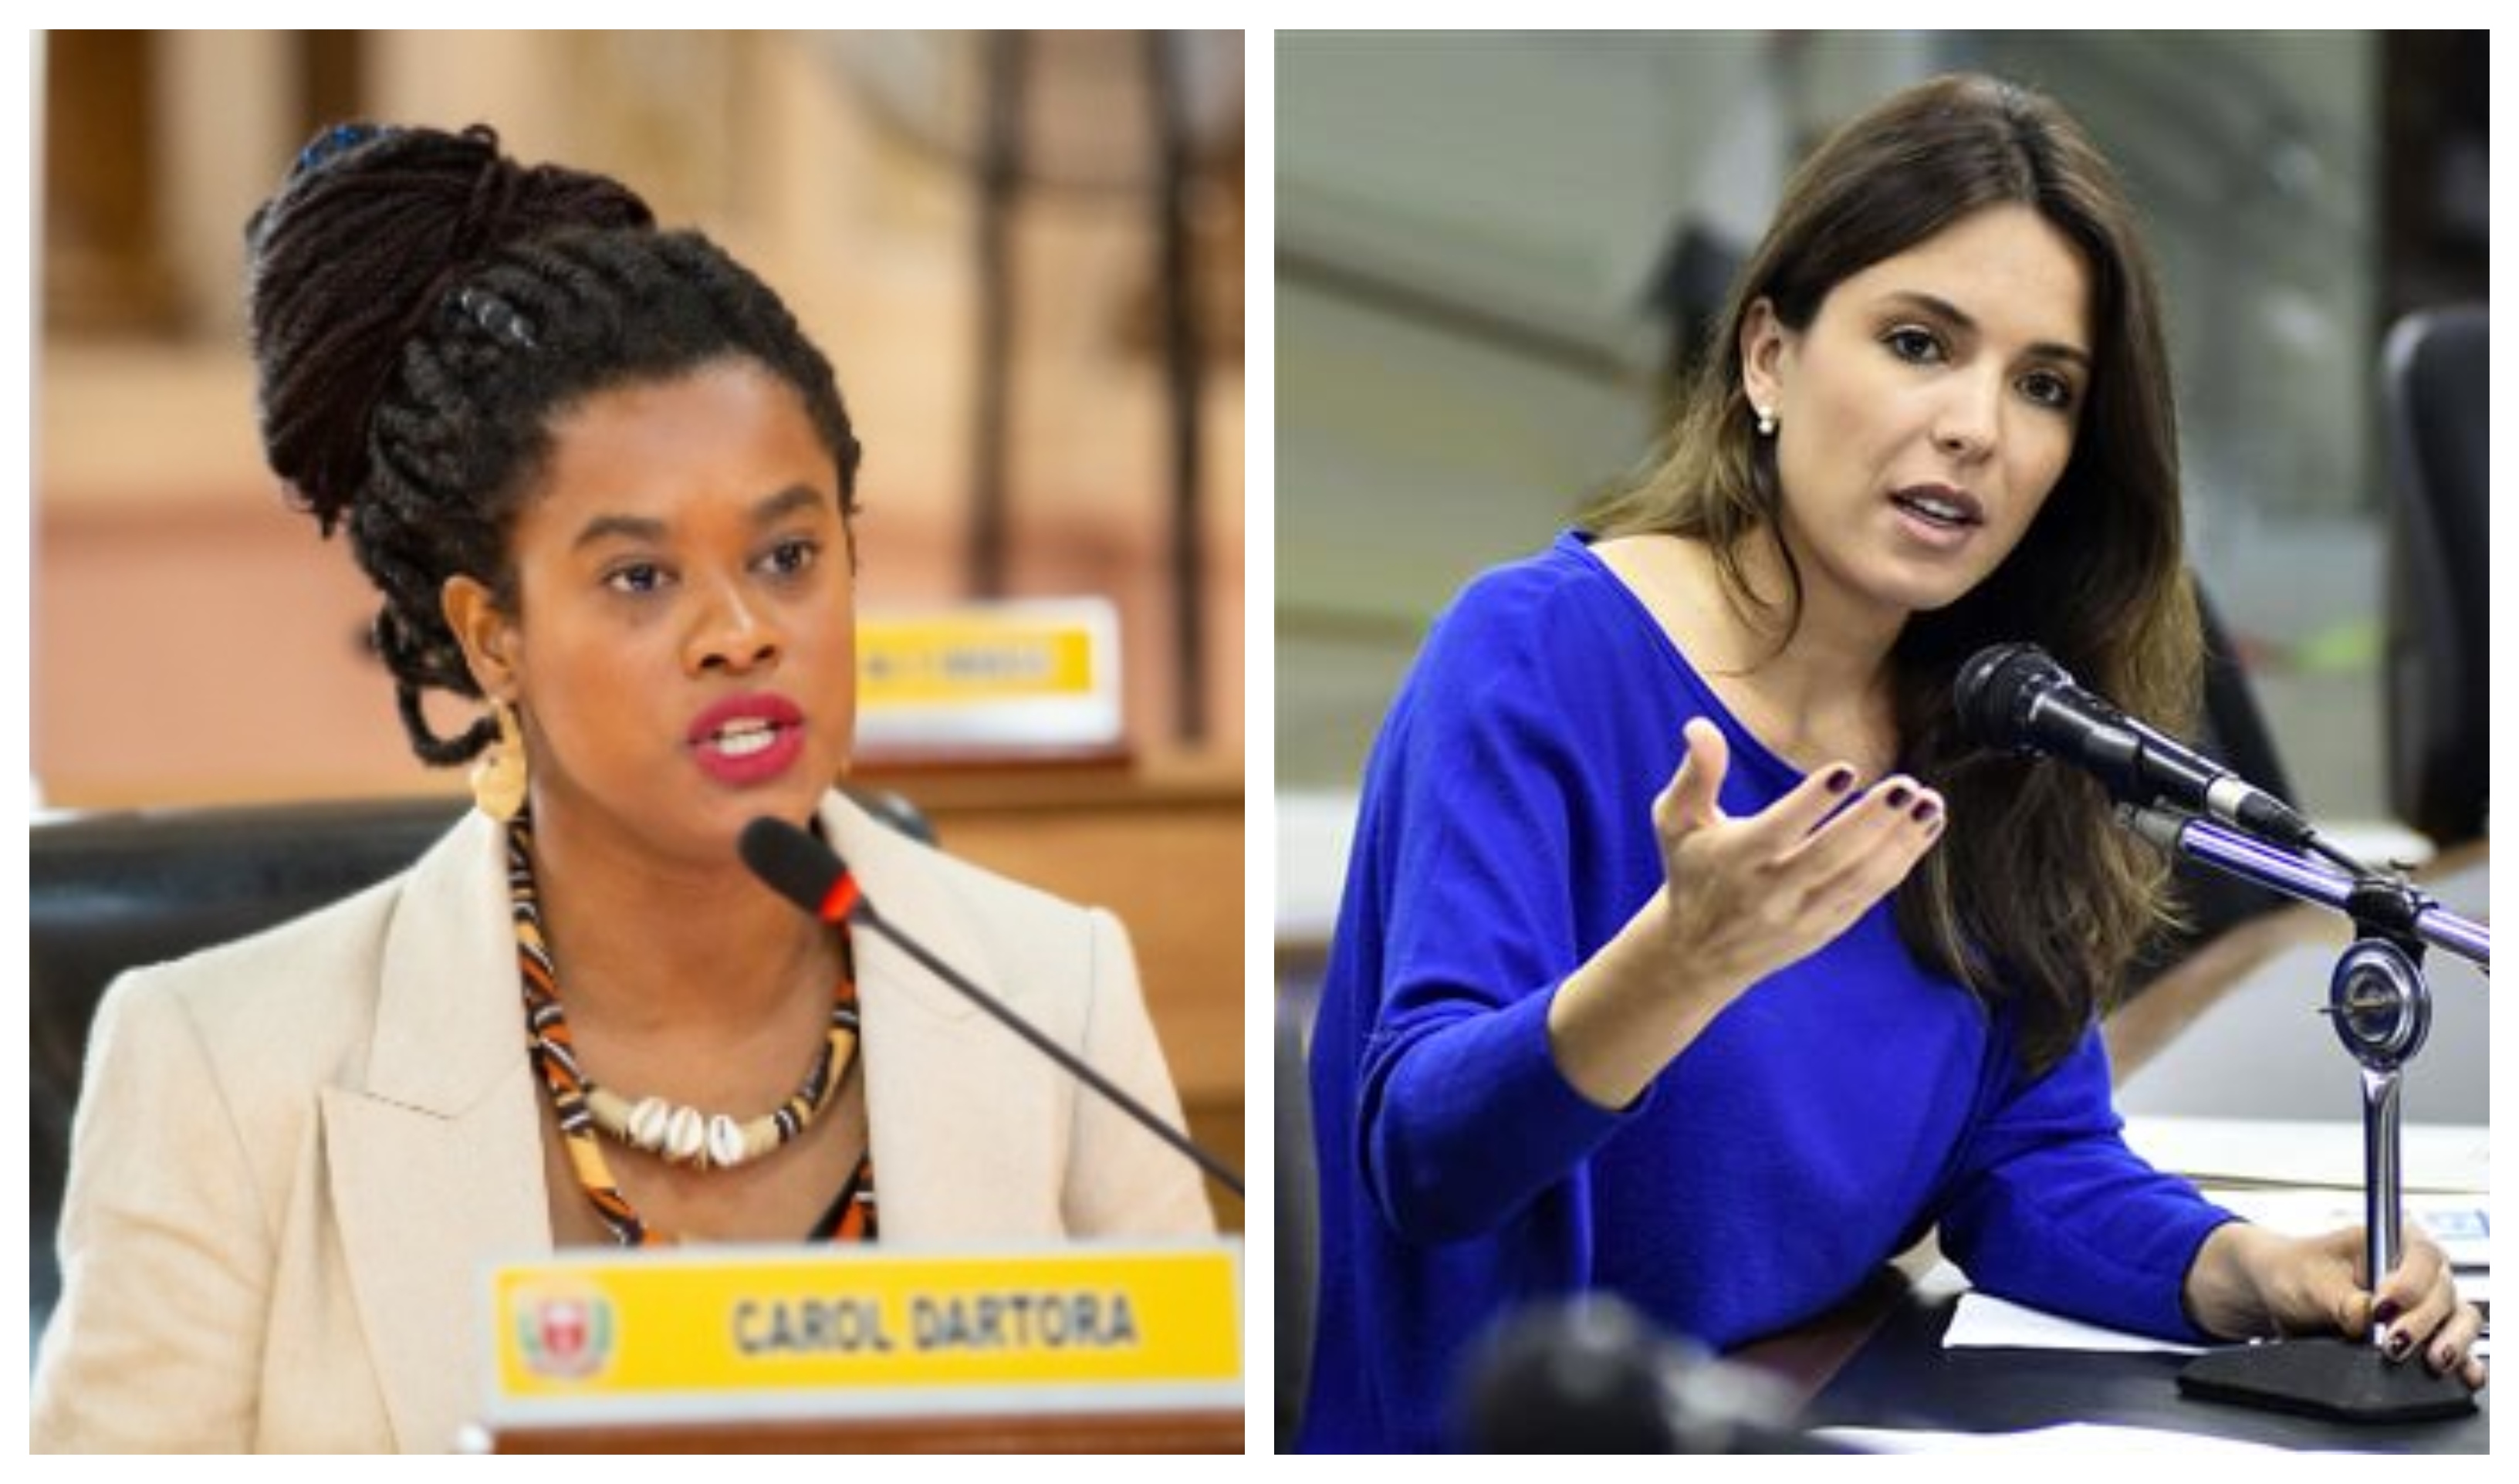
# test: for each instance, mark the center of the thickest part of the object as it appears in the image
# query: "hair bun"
(373, 228)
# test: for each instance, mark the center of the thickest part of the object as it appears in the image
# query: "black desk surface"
(1899, 1375)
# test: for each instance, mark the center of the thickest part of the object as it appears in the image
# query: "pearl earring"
(1766, 423)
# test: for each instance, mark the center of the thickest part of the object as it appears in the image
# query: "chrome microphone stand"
(2380, 1006)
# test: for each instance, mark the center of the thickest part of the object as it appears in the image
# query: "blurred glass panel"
(1490, 249)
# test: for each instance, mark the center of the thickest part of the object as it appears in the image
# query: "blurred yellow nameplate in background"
(803, 1330)
(1006, 676)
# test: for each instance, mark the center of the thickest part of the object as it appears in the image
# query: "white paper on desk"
(2451, 1157)
(2080, 1439)
(1984, 1321)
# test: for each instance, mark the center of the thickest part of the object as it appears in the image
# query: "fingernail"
(1840, 779)
(2399, 1344)
(1899, 796)
(2385, 1313)
(1925, 811)
(2442, 1355)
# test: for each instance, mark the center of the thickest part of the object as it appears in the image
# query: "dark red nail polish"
(2386, 1313)
(1840, 779)
(1925, 811)
(1899, 796)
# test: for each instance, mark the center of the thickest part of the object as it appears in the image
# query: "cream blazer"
(296, 1154)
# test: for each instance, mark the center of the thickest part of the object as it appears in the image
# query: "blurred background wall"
(1022, 252)
(1492, 253)
(970, 225)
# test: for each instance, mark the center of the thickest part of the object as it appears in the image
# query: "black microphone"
(1590, 1374)
(807, 872)
(2016, 696)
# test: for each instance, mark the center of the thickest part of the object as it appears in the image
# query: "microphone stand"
(864, 914)
(2380, 1006)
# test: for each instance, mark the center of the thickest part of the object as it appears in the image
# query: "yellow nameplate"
(1030, 674)
(868, 1332)
(972, 659)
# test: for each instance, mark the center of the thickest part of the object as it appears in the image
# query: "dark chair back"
(2434, 379)
(2232, 730)
(111, 892)
(1297, 1214)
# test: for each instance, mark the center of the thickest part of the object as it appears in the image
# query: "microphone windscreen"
(1580, 1376)
(1992, 688)
(797, 866)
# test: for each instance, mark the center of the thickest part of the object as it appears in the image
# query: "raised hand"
(1751, 895)
(1743, 898)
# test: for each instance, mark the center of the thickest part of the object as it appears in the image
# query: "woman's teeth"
(1940, 512)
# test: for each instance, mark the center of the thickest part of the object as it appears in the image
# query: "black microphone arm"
(2399, 908)
(807, 872)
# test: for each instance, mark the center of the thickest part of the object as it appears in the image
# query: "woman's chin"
(792, 800)
(1914, 592)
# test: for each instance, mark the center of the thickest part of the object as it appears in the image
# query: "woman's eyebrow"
(787, 501)
(632, 528)
(643, 528)
(1961, 319)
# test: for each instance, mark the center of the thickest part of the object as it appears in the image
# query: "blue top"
(1820, 1125)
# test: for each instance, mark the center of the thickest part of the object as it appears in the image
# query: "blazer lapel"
(437, 1162)
(966, 1119)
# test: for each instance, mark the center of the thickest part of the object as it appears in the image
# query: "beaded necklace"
(682, 1135)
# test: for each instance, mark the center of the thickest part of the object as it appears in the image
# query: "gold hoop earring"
(498, 776)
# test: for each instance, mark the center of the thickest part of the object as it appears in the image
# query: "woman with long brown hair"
(1689, 953)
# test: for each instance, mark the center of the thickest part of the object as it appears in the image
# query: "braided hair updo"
(422, 307)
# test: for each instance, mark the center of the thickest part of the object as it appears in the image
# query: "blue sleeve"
(2052, 1211)
(1464, 1116)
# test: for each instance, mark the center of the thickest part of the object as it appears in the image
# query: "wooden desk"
(1038, 1432)
(1810, 1355)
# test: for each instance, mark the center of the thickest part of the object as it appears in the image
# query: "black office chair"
(2434, 379)
(2232, 730)
(1298, 1213)
(111, 892)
